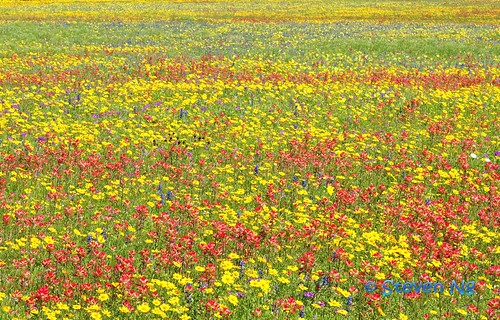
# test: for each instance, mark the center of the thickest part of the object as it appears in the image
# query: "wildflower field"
(249, 159)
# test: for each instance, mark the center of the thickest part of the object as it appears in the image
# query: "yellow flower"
(164, 307)
(402, 317)
(334, 303)
(227, 265)
(158, 312)
(263, 284)
(233, 255)
(103, 297)
(343, 292)
(462, 311)
(49, 240)
(233, 300)
(209, 291)
(96, 316)
(62, 306)
(174, 301)
(144, 307)
(381, 311)
(329, 190)
(227, 278)
(283, 280)
(342, 312)
(199, 268)
(156, 302)
(380, 276)
(177, 276)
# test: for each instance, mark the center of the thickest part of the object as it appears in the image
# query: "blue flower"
(334, 256)
(183, 113)
(324, 281)
(256, 169)
(349, 303)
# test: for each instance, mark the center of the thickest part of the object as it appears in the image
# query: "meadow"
(249, 159)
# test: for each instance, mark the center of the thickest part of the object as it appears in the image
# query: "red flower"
(306, 261)
(257, 313)
(494, 303)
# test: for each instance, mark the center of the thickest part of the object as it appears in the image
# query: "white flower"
(473, 155)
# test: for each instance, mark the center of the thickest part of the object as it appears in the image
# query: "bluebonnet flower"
(242, 268)
(256, 169)
(169, 195)
(89, 239)
(427, 202)
(349, 303)
(261, 273)
(189, 297)
(104, 234)
(159, 187)
(295, 179)
(302, 313)
(304, 183)
(334, 256)
(324, 281)
(162, 196)
(183, 113)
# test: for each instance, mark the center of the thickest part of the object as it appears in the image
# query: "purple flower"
(497, 153)
(308, 294)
